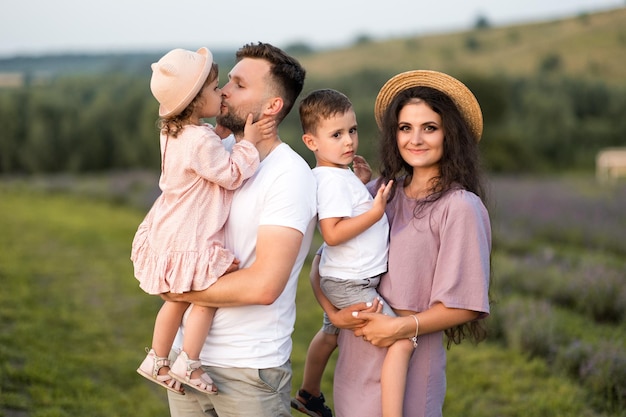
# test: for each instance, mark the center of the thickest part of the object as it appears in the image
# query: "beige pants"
(242, 392)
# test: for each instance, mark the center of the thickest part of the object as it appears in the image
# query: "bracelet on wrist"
(417, 326)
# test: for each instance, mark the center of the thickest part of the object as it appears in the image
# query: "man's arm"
(262, 282)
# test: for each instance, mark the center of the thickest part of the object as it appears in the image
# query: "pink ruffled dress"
(179, 245)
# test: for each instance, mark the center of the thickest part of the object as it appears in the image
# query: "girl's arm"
(263, 129)
(337, 230)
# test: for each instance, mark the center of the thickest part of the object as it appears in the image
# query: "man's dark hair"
(285, 71)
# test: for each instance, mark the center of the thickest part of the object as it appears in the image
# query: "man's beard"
(233, 122)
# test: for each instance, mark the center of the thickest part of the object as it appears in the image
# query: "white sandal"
(181, 372)
(150, 367)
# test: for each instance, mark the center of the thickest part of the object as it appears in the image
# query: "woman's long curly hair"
(173, 125)
(459, 167)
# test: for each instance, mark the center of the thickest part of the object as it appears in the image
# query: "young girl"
(179, 245)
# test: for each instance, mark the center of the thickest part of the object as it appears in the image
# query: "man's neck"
(265, 147)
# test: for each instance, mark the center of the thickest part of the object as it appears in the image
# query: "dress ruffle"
(177, 272)
(179, 246)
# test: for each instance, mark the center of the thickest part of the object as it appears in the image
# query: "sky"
(38, 27)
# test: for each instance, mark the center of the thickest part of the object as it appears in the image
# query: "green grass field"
(74, 324)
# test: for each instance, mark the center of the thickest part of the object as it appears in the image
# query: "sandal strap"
(308, 396)
(203, 382)
(304, 395)
(182, 369)
(158, 362)
(169, 381)
(316, 404)
(192, 365)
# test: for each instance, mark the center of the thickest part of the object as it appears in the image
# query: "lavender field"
(557, 342)
(559, 279)
(570, 211)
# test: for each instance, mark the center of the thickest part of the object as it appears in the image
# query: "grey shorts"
(343, 293)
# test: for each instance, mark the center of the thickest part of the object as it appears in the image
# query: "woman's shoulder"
(459, 200)
(460, 195)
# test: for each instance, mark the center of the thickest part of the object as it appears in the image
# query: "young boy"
(354, 255)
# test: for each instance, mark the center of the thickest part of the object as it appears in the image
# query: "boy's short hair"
(322, 105)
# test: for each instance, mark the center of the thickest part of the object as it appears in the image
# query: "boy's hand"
(361, 169)
(382, 195)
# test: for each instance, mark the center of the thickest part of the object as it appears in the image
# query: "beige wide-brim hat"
(456, 90)
(178, 77)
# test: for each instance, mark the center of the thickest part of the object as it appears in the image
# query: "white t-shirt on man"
(280, 193)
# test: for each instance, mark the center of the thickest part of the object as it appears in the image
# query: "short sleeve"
(461, 276)
(334, 197)
(290, 200)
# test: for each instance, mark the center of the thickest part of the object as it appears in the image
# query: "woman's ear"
(310, 142)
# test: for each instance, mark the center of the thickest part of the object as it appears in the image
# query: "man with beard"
(269, 229)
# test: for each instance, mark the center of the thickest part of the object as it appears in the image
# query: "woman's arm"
(382, 330)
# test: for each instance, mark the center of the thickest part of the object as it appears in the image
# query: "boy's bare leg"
(321, 347)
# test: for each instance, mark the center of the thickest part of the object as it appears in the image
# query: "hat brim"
(456, 90)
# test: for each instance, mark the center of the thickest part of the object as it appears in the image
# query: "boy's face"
(336, 140)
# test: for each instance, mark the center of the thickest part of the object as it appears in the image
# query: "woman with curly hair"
(439, 246)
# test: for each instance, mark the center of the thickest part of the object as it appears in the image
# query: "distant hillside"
(589, 46)
(552, 95)
(586, 46)
(78, 63)
(18, 68)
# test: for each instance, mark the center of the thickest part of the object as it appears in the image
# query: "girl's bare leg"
(197, 328)
(393, 377)
(165, 328)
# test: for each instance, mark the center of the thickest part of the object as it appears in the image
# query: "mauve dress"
(179, 245)
(441, 257)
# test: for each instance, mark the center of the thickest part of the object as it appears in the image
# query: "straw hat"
(458, 92)
(178, 77)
